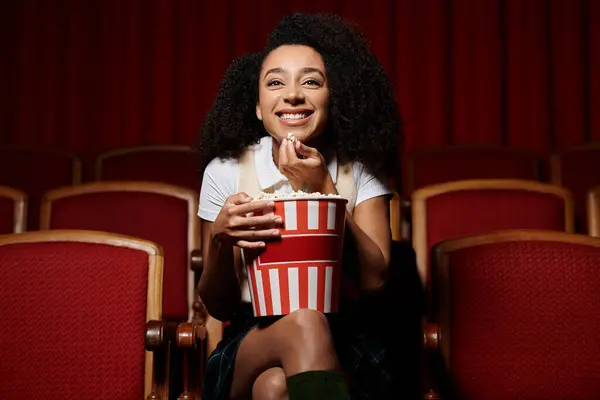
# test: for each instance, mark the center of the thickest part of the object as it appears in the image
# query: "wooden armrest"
(190, 338)
(196, 260)
(159, 334)
(190, 334)
(158, 338)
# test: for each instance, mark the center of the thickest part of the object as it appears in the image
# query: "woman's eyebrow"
(277, 70)
(305, 70)
(308, 70)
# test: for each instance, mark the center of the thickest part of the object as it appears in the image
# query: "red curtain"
(93, 75)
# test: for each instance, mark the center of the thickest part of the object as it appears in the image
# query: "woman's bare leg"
(298, 342)
(270, 385)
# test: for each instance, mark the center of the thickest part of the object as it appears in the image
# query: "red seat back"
(176, 165)
(459, 208)
(452, 163)
(515, 311)
(161, 213)
(74, 306)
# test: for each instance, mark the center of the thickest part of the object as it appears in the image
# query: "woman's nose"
(293, 95)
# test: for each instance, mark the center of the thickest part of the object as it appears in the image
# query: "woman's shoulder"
(362, 173)
(221, 165)
(369, 184)
(220, 175)
(219, 181)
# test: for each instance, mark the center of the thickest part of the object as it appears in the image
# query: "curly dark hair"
(364, 120)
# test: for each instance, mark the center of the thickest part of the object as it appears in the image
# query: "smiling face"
(293, 96)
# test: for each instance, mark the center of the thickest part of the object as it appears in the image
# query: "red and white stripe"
(302, 270)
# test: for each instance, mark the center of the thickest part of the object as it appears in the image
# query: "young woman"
(318, 81)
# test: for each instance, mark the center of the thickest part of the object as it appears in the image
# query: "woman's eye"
(312, 82)
(274, 83)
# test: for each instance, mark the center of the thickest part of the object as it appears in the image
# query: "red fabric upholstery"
(7, 215)
(471, 211)
(155, 217)
(433, 166)
(168, 166)
(580, 171)
(73, 321)
(523, 316)
(466, 212)
(35, 172)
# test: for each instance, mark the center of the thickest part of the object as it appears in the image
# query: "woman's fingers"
(257, 222)
(252, 206)
(288, 160)
(244, 244)
(255, 235)
(256, 239)
(306, 151)
(299, 158)
(239, 198)
(292, 157)
(283, 159)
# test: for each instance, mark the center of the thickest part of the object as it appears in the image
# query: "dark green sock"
(317, 385)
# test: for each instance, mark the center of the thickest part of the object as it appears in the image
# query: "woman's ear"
(258, 112)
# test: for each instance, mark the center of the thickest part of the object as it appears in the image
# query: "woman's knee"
(308, 343)
(309, 326)
(270, 385)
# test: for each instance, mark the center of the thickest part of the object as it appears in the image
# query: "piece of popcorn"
(291, 137)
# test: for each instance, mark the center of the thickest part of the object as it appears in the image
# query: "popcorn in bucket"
(302, 269)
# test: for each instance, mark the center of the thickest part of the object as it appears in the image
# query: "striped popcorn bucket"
(302, 270)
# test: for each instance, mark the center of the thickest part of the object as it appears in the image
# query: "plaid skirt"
(362, 355)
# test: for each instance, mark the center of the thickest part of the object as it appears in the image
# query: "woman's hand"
(307, 172)
(234, 227)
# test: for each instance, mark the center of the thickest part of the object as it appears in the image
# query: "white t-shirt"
(221, 178)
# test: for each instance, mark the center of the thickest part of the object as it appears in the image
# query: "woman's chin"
(290, 135)
(302, 137)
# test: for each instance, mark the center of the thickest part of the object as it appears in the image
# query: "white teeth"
(293, 116)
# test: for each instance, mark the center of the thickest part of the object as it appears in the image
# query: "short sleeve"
(369, 185)
(219, 181)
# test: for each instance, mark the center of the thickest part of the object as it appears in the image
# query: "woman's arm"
(368, 231)
(219, 287)
(235, 226)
